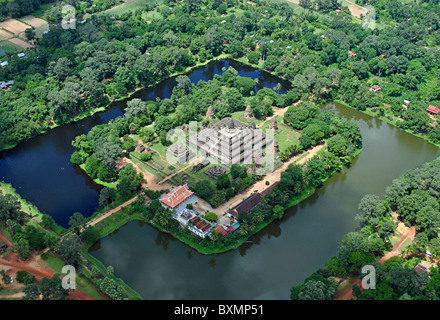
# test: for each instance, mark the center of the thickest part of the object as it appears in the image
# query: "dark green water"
(286, 252)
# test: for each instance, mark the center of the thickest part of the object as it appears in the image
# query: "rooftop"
(432, 109)
(176, 196)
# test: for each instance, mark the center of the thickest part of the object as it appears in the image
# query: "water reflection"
(287, 251)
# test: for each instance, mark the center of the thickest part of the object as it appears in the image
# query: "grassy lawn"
(81, 283)
(152, 15)
(239, 116)
(284, 135)
(8, 291)
(98, 181)
(7, 47)
(193, 178)
(160, 157)
(128, 5)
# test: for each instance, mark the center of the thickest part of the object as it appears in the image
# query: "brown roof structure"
(375, 88)
(246, 205)
(269, 189)
(201, 224)
(421, 267)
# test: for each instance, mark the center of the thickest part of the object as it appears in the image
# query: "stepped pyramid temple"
(229, 142)
(210, 113)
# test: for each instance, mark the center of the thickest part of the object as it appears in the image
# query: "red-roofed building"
(421, 267)
(119, 164)
(176, 196)
(351, 53)
(221, 230)
(375, 88)
(432, 109)
(387, 105)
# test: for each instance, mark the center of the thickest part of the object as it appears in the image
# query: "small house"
(375, 88)
(351, 53)
(5, 85)
(119, 164)
(421, 267)
(220, 229)
(432, 110)
(4, 63)
(200, 226)
(21, 55)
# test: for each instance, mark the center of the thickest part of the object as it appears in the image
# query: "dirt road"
(95, 221)
(152, 180)
(261, 185)
(395, 251)
(410, 234)
(355, 9)
(36, 266)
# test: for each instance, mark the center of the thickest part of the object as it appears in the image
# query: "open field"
(4, 35)
(21, 43)
(12, 37)
(7, 47)
(286, 136)
(33, 21)
(14, 26)
(355, 9)
(128, 5)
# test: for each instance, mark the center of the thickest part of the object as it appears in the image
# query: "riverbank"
(126, 95)
(384, 118)
(118, 220)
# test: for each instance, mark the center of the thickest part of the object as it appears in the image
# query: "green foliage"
(129, 181)
(204, 189)
(211, 216)
(25, 277)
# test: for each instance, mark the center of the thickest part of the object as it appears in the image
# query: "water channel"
(282, 255)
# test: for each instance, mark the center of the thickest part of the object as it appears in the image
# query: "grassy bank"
(120, 218)
(384, 118)
(99, 181)
(90, 112)
(104, 228)
(30, 209)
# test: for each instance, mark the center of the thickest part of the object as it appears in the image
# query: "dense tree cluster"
(414, 197)
(19, 8)
(77, 69)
